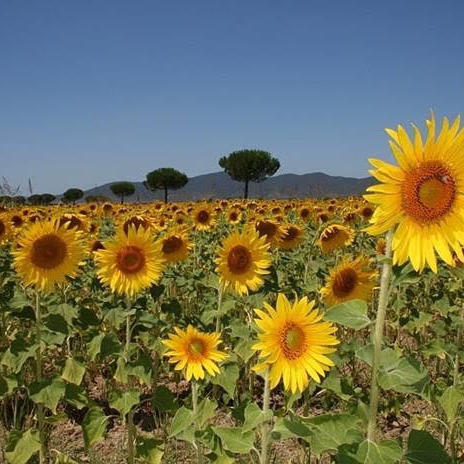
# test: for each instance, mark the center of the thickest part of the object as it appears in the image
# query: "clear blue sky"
(104, 90)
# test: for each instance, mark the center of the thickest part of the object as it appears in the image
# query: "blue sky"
(97, 91)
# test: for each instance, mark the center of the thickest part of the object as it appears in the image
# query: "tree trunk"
(122, 198)
(165, 194)
(246, 190)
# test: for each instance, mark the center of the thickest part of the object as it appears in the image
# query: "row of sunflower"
(94, 297)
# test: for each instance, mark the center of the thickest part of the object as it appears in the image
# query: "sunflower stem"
(265, 425)
(377, 338)
(194, 397)
(130, 416)
(219, 304)
(38, 358)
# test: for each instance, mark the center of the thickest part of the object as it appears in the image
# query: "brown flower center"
(304, 213)
(290, 234)
(428, 192)
(266, 228)
(292, 341)
(172, 244)
(344, 282)
(239, 259)
(130, 259)
(329, 234)
(48, 251)
(71, 222)
(2, 228)
(203, 216)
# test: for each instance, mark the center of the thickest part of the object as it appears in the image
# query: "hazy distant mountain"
(220, 185)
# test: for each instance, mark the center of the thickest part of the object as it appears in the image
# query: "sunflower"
(47, 253)
(293, 342)
(423, 195)
(194, 352)
(136, 221)
(242, 260)
(335, 236)
(175, 245)
(350, 280)
(203, 218)
(5, 228)
(269, 229)
(234, 216)
(292, 237)
(130, 262)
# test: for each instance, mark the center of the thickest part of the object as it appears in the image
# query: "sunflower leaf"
(352, 314)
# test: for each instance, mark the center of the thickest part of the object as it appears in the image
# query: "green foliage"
(249, 166)
(72, 195)
(123, 189)
(166, 179)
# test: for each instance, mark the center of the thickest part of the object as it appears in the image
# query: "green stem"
(194, 397)
(219, 304)
(265, 425)
(38, 361)
(378, 338)
(131, 435)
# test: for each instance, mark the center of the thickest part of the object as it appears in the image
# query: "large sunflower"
(423, 195)
(335, 236)
(47, 253)
(203, 218)
(242, 261)
(194, 352)
(350, 280)
(130, 262)
(293, 342)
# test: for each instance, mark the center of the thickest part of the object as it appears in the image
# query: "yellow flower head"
(130, 262)
(350, 280)
(47, 253)
(293, 343)
(194, 352)
(175, 245)
(335, 236)
(423, 196)
(242, 261)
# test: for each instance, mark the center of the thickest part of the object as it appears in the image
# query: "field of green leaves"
(88, 365)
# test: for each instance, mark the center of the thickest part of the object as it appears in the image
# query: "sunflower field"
(232, 331)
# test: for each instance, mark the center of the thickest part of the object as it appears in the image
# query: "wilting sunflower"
(292, 237)
(47, 253)
(203, 218)
(335, 236)
(136, 221)
(194, 352)
(423, 195)
(350, 280)
(130, 262)
(175, 245)
(242, 261)
(293, 342)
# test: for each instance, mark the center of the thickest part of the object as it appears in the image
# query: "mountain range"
(220, 185)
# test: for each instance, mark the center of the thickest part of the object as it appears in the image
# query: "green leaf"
(425, 449)
(73, 371)
(22, 446)
(244, 349)
(149, 450)
(124, 401)
(296, 427)
(18, 353)
(63, 458)
(206, 410)
(234, 440)
(8, 385)
(254, 416)
(94, 426)
(352, 314)
(450, 401)
(330, 431)
(164, 400)
(77, 396)
(227, 379)
(48, 392)
(181, 421)
(384, 452)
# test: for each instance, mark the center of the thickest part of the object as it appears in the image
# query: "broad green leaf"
(181, 421)
(244, 349)
(227, 379)
(384, 452)
(17, 354)
(451, 400)
(77, 396)
(206, 411)
(296, 427)
(63, 458)
(73, 371)
(164, 400)
(423, 448)
(94, 426)
(254, 416)
(48, 392)
(22, 446)
(8, 384)
(234, 440)
(149, 450)
(330, 431)
(352, 314)
(124, 401)
(121, 373)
